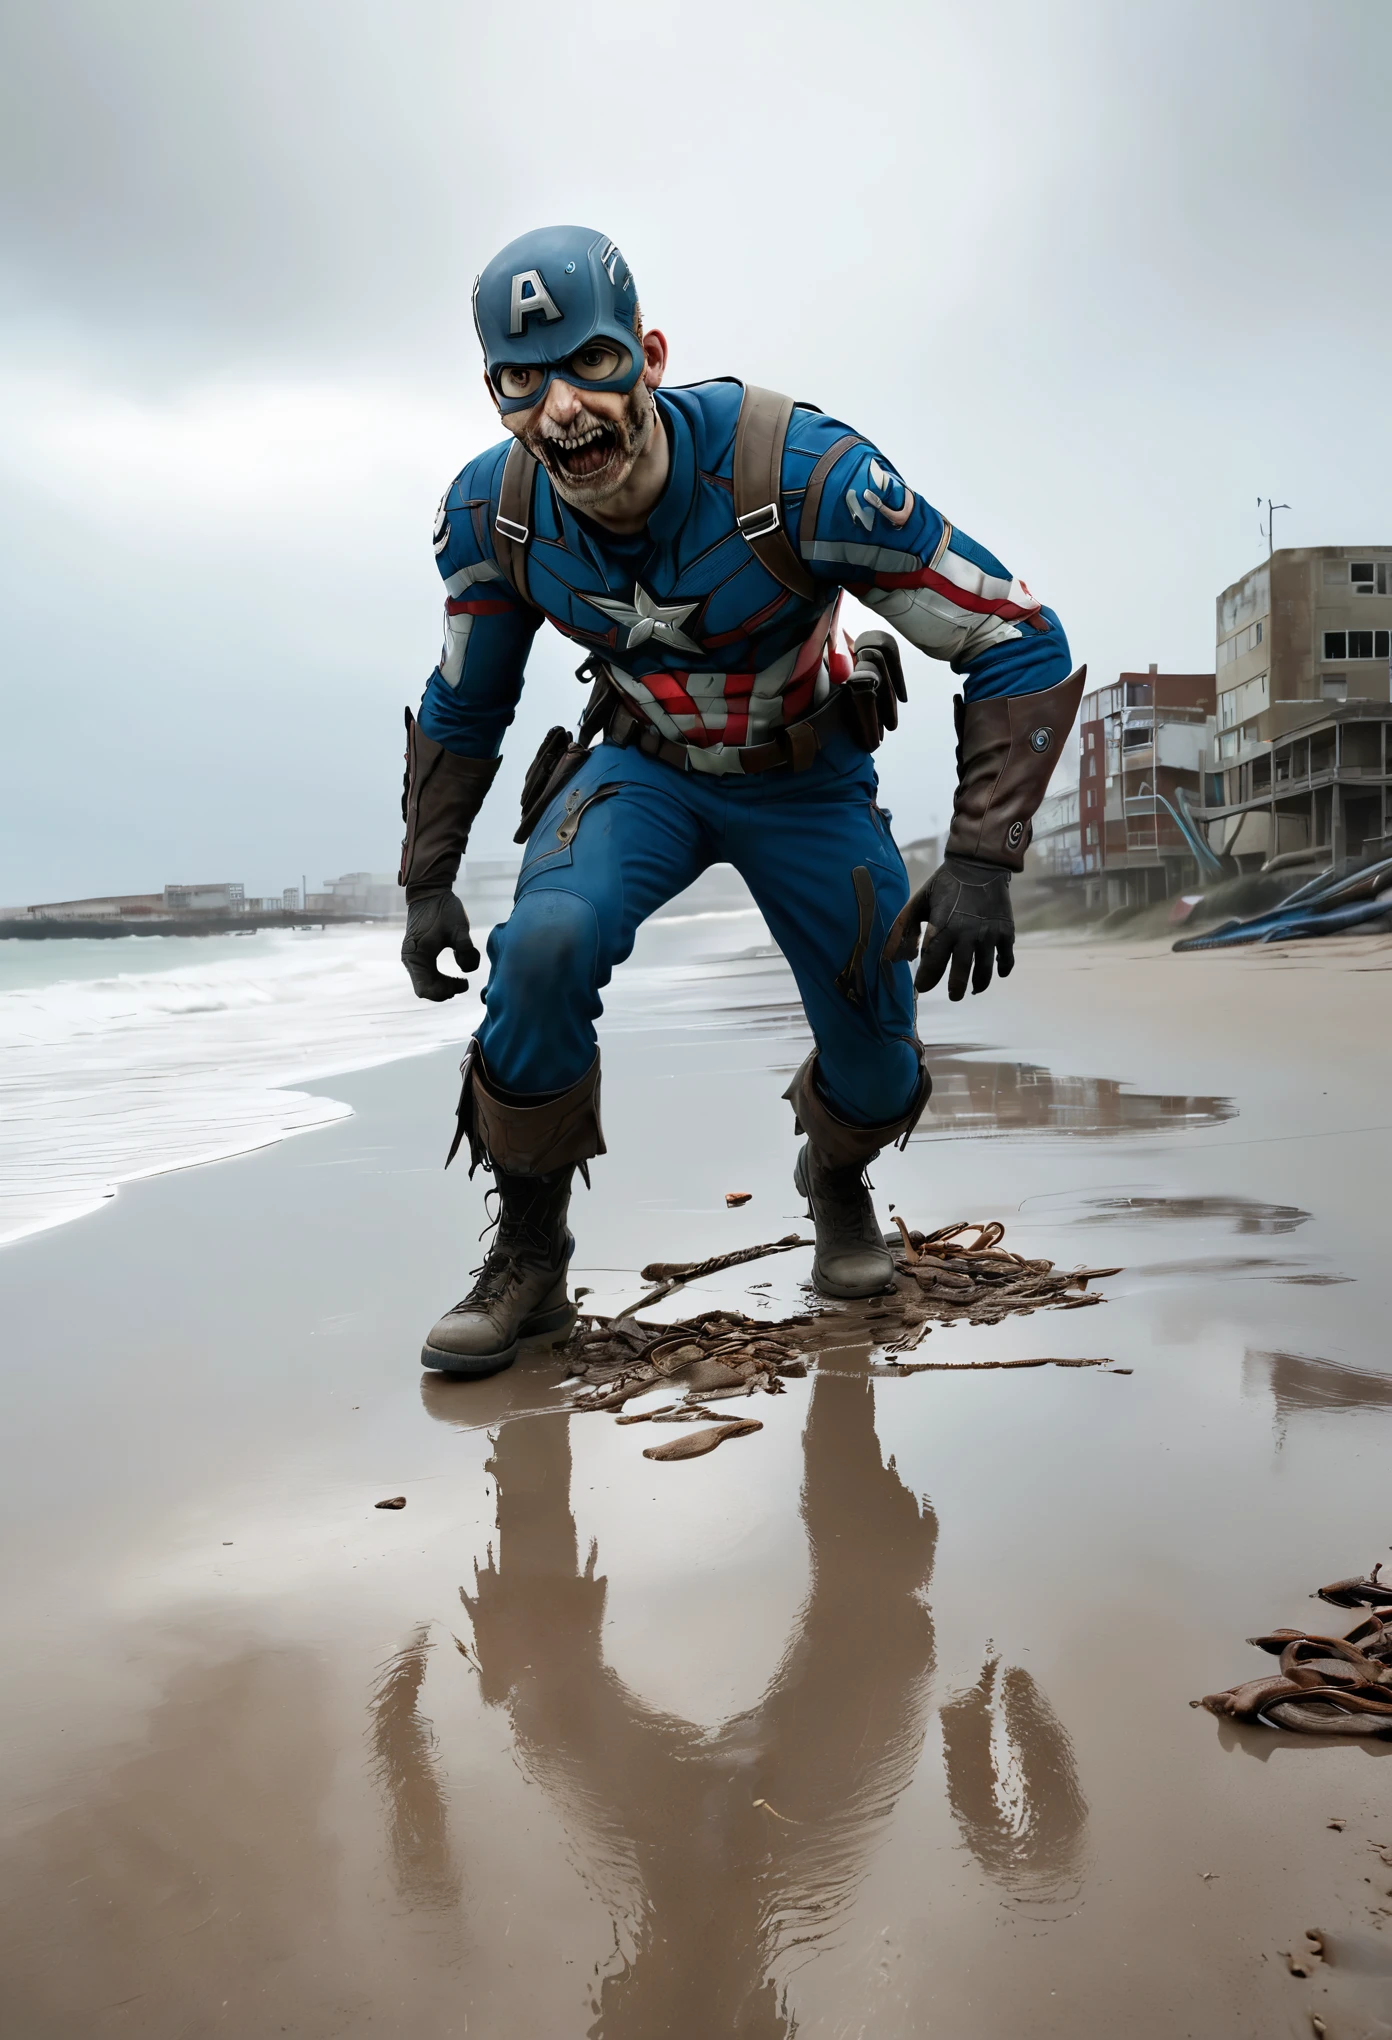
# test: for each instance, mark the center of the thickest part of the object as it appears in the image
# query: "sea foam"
(106, 1079)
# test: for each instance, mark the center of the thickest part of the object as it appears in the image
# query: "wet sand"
(875, 1723)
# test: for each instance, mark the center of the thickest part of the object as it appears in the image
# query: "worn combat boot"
(521, 1288)
(851, 1258)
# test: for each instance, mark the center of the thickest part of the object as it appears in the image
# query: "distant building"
(290, 900)
(359, 895)
(1300, 767)
(486, 886)
(1056, 849)
(921, 858)
(106, 907)
(1141, 743)
(219, 898)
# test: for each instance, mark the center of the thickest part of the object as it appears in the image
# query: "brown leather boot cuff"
(440, 798)
(527, 1140)
(840, 1143)
(1007, 749)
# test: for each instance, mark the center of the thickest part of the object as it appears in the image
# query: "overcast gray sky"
(1096, 273)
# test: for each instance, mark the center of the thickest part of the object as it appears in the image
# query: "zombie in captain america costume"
(694, 544)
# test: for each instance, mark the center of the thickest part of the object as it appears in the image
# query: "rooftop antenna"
(1271, 509)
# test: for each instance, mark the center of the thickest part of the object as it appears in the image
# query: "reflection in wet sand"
(973, 1096)
(1248, 1214)
(1015, 1097)
(718, 1851)
(1013, 1785)
(194, 1875)
(1299, 1384)
(404, 1749)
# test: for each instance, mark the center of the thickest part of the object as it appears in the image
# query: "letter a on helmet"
(548, 294)
(529, 294)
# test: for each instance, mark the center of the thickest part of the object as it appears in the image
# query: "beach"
(874, 1723)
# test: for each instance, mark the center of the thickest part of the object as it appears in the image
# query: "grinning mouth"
(582, 455)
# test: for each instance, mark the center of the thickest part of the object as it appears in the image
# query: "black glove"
(967, 907)
(437, 922)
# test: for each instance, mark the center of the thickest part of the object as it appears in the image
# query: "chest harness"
(861, 704)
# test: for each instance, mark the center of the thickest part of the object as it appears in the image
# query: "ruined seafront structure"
(1115, 835)
(207, 909)
(1282, 756)
(1299, 764)
(1141, 745)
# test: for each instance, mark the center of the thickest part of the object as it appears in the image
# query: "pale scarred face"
(588, 440)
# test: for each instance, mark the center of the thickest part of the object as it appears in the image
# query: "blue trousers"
(795, 838)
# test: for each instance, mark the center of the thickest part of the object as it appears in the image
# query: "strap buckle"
(518, 533)
(759, 523)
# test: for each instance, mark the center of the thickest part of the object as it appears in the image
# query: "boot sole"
(551, 1325)
(845, 1292)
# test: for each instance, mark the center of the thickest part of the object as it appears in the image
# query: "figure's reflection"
(403, 1747)
(721, 1850)
(1012, 1783)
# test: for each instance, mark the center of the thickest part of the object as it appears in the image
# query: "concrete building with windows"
(1299, 766)
(1055, 849)
(1141, 743)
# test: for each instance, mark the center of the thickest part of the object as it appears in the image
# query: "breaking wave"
(105, 1079)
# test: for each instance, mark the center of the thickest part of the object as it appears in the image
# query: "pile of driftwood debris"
(959, 1274)
(1326, 1685)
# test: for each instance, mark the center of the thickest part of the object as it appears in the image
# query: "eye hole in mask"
(598, 362)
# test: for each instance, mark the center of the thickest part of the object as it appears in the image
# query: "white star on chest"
(643, 618)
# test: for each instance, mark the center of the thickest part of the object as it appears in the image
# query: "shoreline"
(441, 1764)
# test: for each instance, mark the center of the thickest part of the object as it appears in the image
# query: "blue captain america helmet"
(547, 295)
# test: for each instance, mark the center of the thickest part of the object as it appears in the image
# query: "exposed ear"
(654, 357)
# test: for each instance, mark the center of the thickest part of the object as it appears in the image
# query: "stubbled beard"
(592, 457)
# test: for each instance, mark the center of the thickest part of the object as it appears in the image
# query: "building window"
(1357, 644)
(1092, 767)
(1334, 687)
(1245, 641)
(1369, 577)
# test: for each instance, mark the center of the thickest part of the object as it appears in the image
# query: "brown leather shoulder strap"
(816, 482)
(758, 477)
(512, 523)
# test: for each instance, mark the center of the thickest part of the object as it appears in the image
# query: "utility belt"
(863, 706)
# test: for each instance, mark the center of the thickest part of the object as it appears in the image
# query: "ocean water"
(133, 1056)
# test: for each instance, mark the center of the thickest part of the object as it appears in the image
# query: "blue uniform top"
(701, 639)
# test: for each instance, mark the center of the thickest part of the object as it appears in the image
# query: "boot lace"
(502, 1269)
(842, 1197)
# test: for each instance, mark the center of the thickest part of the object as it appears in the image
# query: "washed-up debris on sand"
(1326, 1685)
(960, 1274)
(1325, 906)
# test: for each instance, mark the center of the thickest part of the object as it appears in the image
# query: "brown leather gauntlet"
(1006, 752)
(441, 795)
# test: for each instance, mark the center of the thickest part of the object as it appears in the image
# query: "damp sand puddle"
(874, 1720)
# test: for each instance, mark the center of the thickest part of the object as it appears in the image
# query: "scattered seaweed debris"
(697, 1443)
(948, 1279)
(959, 1274)
(670, 1275)
(1326, 1685)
